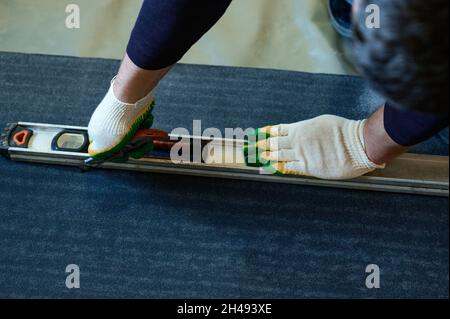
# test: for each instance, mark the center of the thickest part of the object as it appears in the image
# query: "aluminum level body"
(410, 173)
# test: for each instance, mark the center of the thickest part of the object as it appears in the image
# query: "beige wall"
(282, 34)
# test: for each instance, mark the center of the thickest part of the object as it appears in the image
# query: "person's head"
(406, 58)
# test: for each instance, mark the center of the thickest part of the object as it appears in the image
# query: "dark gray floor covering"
(146, 235)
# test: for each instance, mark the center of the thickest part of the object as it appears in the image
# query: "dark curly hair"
(406, 59)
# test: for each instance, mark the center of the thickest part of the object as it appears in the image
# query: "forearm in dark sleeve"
(408, 128)
(166, 29)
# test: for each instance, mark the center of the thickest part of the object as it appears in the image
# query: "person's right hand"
(326, 147)
(114, 123)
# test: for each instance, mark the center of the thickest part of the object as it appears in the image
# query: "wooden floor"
(281, 34)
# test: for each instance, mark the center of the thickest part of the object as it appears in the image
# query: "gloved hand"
(115, 123)
(326, 147)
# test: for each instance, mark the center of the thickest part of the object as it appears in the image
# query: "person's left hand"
(326, 147)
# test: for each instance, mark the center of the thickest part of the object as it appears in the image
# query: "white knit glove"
(326, 147)
(115, 123)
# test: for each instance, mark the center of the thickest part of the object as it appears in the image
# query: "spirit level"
(221, 158)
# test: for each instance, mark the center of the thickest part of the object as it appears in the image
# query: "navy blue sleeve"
(408, 128)
(166, 29)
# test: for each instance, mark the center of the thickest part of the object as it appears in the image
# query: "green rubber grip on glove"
(252, 154)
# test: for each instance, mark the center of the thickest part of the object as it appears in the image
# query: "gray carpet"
(156, 236)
